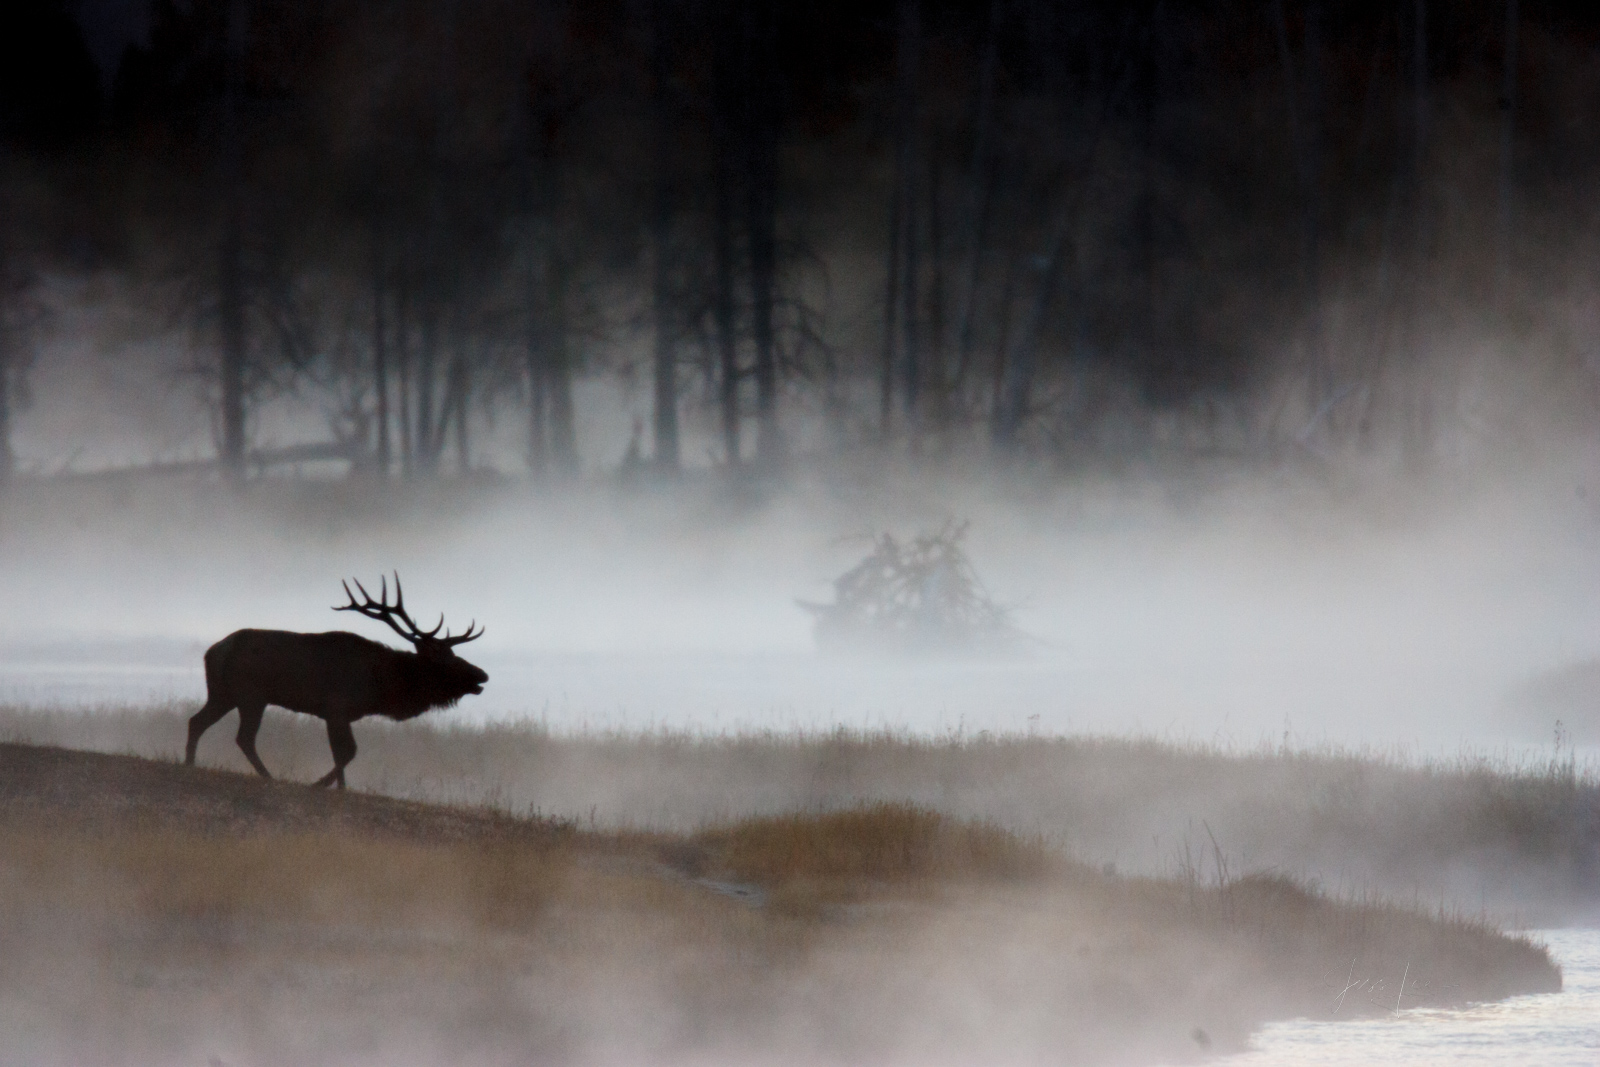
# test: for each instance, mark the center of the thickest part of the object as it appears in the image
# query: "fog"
(1268, 396)
(1225, 607)
(257, 922)
(1254, 348)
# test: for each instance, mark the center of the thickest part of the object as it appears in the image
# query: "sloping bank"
(153, 913)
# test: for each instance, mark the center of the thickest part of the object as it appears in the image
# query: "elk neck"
(426, 682)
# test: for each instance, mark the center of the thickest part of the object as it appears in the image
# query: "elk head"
(448, 675)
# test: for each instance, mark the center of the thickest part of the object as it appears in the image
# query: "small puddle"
(749, 895)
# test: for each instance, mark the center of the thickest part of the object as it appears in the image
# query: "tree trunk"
(403, 355)
(761, 200)
(558, 366)
(891, 310)
(535, 364)
(1305, 133)
(9, 362)
(231, 313)
(1148, 327)
(1508, 122)
(667, 449)
(380, 350)
(935, 371)
(725, 95)
(1418, 388)
(1320, 374)
(1002, 344)
(910, 290)
(1017, 385)
(424, 460)
(535, 255)
(1419, 90)
(438, 267)
(461, 372)
(231, 297)
(980, 199)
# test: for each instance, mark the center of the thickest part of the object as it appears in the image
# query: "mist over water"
(1236, 611)
(1255, 347)
(1229, 604)
(1553, 1029)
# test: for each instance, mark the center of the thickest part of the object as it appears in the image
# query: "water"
(1552, 1030)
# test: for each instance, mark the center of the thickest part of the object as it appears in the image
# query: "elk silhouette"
(338, 677)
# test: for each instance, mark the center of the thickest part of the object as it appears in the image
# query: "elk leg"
(249, 725)
(200, 722)
(343, 743)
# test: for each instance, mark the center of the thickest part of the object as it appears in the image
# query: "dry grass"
(322, 878)
(1519, 841)
(809, 862)
(878, 843)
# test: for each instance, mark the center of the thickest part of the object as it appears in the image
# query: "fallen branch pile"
(918, 595)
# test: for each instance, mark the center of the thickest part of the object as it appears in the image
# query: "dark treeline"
(1010, 228)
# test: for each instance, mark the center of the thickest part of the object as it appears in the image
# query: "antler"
(450, 642)
(382, 610)
(385, 612)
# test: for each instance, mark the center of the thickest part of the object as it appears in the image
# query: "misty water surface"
(1250, 615)
(1553, 1030)
(1298, 705)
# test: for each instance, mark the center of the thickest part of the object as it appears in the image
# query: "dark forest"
(1013, 232)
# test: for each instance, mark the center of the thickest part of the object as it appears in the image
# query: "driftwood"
(917, 595)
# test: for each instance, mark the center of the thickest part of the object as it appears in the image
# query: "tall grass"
(880, 842)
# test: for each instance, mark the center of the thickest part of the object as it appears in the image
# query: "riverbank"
(156, 913)
(1519, 843)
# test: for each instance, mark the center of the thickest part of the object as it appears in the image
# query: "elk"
(339, 677)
